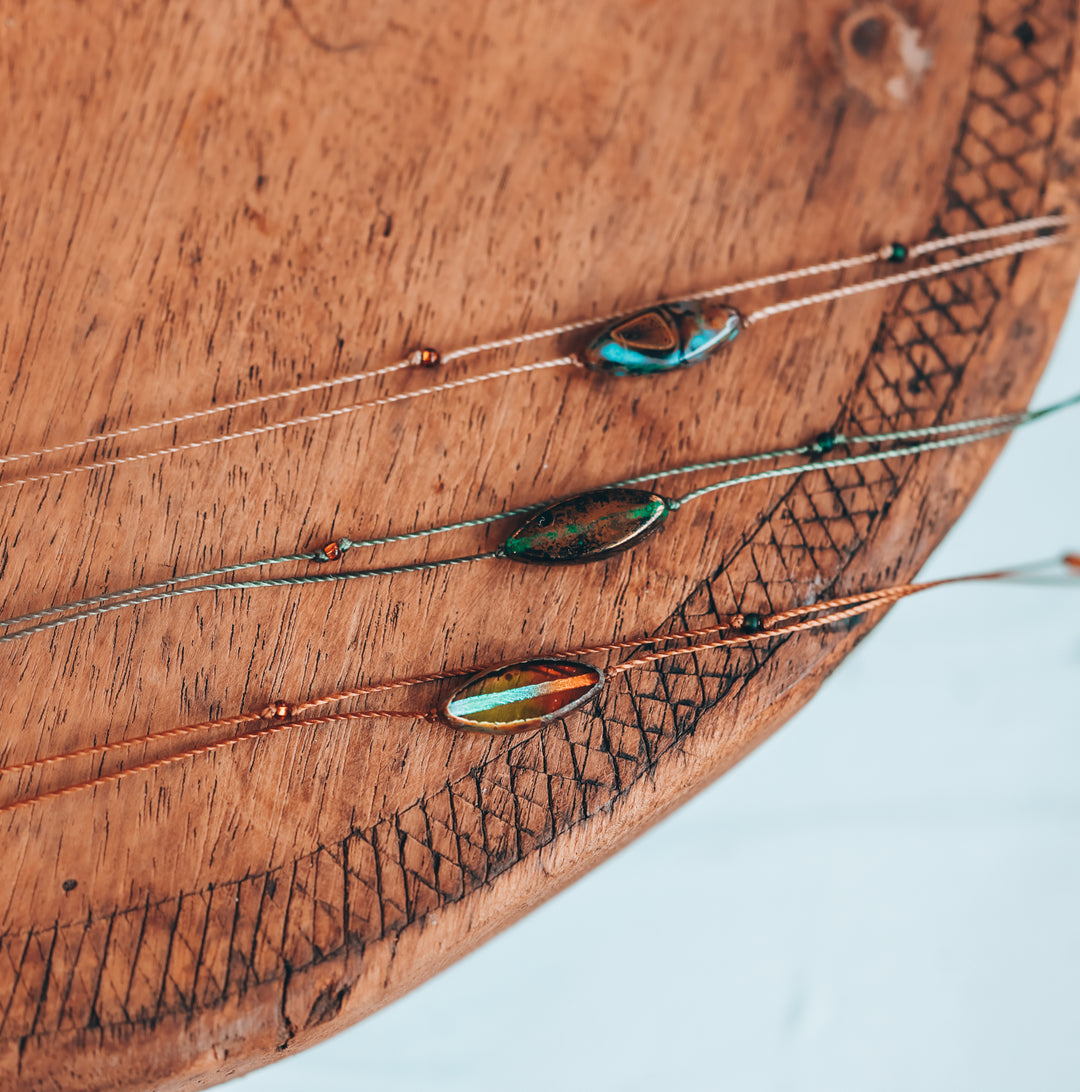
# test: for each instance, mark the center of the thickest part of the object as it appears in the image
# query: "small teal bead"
(751, 623)
(825, 443)
(667, 336)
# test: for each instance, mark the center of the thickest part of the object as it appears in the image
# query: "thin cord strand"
(196, 415)
(1036, 223)
(245, 585)
(848, 460)
(128, 744)
(907, 277)
(210, 748)
(141, 589)
(747, 638)
(307, 419)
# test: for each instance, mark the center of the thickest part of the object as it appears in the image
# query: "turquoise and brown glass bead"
(669, 335)
(520, 696)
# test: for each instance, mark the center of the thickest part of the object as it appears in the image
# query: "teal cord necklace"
(579, 529)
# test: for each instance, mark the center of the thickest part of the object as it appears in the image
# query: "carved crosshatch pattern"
(131, 968)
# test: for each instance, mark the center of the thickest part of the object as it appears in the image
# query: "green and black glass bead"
(588, 527)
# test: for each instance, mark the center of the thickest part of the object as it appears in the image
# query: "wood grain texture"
(207, 201)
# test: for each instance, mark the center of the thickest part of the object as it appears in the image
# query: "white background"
(885, 896)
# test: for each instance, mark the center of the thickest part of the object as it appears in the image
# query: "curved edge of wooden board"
(319, 997)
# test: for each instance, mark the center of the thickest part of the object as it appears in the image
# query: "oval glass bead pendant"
(520, 696)
(587, 527)
(669, 335)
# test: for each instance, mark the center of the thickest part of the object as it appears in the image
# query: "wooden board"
(203, 202)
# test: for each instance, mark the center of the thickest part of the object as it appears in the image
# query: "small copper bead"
(426, 358)
(331, 551)
(277, 710)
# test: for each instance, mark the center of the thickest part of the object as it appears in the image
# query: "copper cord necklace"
(506, 699)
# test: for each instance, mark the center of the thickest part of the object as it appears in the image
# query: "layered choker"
(587, 527)
(669, 335)
(498, 699)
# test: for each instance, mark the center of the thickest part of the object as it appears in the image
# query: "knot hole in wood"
(882, 55)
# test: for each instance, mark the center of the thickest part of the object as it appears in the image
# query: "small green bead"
(751, 623)
(898, 253)
(825, 442)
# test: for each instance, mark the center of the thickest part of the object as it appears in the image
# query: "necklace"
(507, 699)
(587, 527)
(668, 335)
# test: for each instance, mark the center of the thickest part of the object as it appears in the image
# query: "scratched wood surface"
(203, 202)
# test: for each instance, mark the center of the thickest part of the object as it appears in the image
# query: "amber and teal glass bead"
(520, 696)
(669, 335)
(587, 527)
